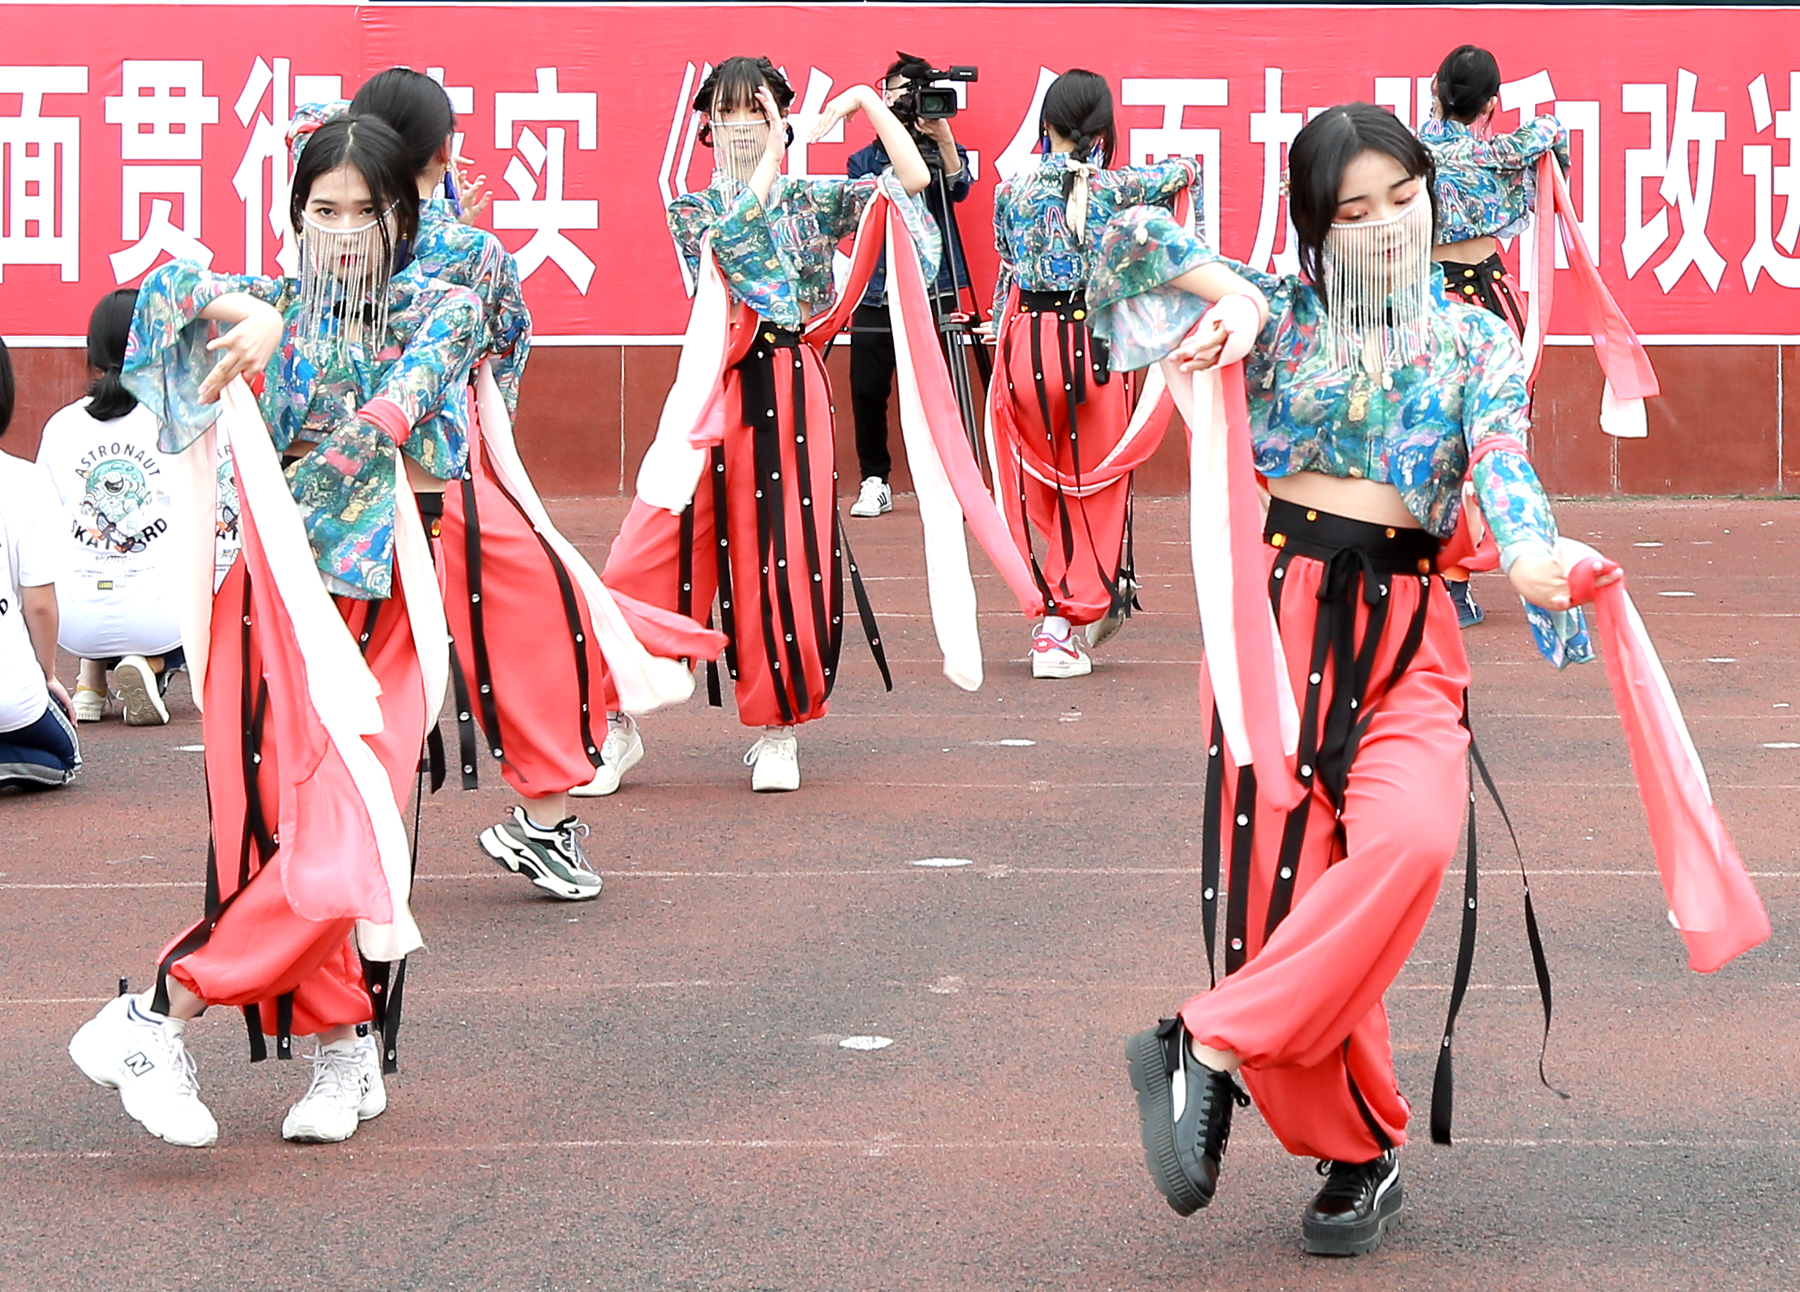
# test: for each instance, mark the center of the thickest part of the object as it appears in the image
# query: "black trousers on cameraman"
(871, 379)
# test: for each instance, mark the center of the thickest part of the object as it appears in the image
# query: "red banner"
(159, 131)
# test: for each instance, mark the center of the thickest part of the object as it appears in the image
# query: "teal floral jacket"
(1486, 187)
(777, 258)
(345, 488)
(454, 252)
(1037, 249)
(1413, 429)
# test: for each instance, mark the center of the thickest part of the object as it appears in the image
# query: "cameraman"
(872, 342)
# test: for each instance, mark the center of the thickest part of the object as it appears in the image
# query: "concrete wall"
(1727, 421)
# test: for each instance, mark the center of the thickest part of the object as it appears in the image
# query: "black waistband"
(767, 334)
(1386, 549)
(431, 505)
(1493, 267)
(1076, 299)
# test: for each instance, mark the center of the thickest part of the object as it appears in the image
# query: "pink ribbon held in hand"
(1711, 899)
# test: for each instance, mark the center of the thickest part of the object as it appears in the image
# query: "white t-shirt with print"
(30, 542)
(111, 483)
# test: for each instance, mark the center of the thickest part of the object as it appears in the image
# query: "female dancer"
(1485, 185)
(536, 693)
(1370, 395)
(1484, 188)
(776, 559)
(1059, 414)
(365, 367)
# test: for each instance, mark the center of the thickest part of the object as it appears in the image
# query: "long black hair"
(379, 155)
(733, 85)
(414, 105)
(1320, 154)
(1468, 77)
(109, 327)
(6, 387)
(1079, 103)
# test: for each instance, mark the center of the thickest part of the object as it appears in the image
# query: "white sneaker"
(622, 750)
(1058, 657)
(774, 763)
(143, 1055)
(874, 499)
(346, 1091)
(90, 704)
(141, 690)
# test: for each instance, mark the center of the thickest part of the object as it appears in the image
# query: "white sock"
(1057, 627)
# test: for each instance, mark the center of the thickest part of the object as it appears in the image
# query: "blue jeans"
(41, 756)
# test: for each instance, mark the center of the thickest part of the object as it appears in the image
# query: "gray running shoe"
(552, 859)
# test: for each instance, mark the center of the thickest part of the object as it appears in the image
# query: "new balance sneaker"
(90, 704)
(873, 499)
(346, 1091)
(141, 691)
(774, 763)
(143, 1055)
(1468, 614)
(1058, 657)
(1184, 1114)
(1350, 1215)
(551, 858)
(622, 750)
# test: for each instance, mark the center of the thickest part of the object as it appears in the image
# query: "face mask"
(738, 147)
(343, 283)
(1378, 290)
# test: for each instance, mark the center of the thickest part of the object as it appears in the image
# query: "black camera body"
(925, 101)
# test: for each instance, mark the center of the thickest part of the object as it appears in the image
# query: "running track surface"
(647, 1091)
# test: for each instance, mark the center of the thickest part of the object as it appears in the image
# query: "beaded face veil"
(344, 276)
(738, 147)
(1378, 290)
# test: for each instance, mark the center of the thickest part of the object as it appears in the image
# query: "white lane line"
(879, 1147)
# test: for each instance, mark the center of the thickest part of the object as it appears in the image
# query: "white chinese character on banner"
(1407, 97)
(1581, 117)
(1017, 155)
(1768, 252)
(1274, 129)
(537, 175)
(160, 109)
(1687, 184)
(1174, 138)
(40, 172)
(263, 175)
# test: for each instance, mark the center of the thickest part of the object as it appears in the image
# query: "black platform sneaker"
(1184, 1114)
(1352, 1212)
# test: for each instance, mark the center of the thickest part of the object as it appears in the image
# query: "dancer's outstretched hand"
(244, 350)
(1539, 578)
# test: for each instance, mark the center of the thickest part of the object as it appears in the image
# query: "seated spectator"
(38, 749)
(104, 465)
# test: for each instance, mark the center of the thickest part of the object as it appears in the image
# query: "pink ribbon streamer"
(1711, 898)
(1622, 356)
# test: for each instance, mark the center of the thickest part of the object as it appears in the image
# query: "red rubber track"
(646, 1091)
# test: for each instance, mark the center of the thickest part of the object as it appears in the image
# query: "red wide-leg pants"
(255, 947)
(1305, 1011)
(786, 603)
(1048, 365)
(536, 652)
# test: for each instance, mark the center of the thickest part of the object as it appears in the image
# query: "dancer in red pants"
(761, 527)
(314, 712)
(1370, 395)
(1059, 413)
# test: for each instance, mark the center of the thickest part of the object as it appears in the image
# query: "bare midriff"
(1470, 251)
(1374, 501)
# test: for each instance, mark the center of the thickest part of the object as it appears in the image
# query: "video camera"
(923, 100)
